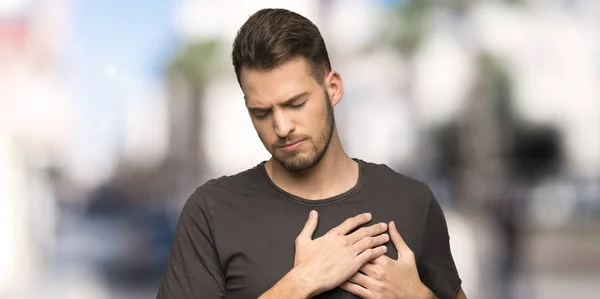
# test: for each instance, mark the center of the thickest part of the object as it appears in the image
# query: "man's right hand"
(326, 262)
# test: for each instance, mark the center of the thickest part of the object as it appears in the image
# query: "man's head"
(271, 37)
(283, 68)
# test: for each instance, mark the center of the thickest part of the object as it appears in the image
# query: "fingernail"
(383, 225)
(386, 236)
(312, 213)
(368, 216)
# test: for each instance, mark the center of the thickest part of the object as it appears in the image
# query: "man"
(246, 235)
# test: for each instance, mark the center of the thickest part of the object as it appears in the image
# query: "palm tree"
(188, 75)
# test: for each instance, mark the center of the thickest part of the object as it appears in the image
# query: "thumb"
(399, 243)
(310, 226)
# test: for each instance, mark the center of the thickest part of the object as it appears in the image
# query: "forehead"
(277, 85)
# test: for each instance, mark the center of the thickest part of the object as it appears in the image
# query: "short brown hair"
(271, 37)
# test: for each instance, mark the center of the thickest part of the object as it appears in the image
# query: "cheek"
(317, 116)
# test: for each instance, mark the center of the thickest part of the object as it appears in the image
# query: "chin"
(296, 168)
(297, 164)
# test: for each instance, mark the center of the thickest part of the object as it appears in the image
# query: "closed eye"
(261, 115)
(298, 105)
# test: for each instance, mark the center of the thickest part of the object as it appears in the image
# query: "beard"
(296, 162)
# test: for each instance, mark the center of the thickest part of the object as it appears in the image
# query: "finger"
(370, 254)
(352, 223)
(364, 232)
(370, 242)
(309, 227)
(363, 280)
(369, 269)
(397, 239)
(381, 260)
(357, 290)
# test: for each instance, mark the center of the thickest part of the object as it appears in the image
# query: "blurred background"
(112, 112)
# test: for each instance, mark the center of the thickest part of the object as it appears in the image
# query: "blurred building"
(34, 120)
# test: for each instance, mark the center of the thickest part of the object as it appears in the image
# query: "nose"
(283, 124)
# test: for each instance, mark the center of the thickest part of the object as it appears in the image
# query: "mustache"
(289, 140)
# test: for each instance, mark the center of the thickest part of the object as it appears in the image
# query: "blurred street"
(561, 263)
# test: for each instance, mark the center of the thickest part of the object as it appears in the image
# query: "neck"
(334, 174)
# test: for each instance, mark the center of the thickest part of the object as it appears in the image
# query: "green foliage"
(408, 26)
(197, 63)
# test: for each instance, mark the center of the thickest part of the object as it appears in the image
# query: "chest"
(256, 243)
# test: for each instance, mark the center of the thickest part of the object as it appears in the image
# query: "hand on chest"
(261, 249)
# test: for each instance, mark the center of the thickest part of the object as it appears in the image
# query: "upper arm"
(436, 265)
(194, 269)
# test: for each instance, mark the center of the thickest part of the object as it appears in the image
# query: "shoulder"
(384, 177)
(246, 180)
(228, 187)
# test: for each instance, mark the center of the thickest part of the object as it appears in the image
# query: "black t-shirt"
(235, 235)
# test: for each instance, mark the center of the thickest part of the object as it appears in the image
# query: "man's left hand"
(385, 278)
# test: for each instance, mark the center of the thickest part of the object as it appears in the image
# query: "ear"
(334, 87)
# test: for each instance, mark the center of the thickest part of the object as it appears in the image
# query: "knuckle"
(333, 233)
(373, 231)
(345, 242)
(376, 274)
(371, 242)
(374, 253)
(360, 233)
(364, 234)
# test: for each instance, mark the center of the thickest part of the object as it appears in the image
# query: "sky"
(119, 47)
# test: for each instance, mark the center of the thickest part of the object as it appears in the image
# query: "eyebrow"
(287, 102)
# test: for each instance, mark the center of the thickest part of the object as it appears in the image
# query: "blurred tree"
(409, 24)
(484, 134)
(188, 75)
(412, 20)
(492, 158)
(406, 28)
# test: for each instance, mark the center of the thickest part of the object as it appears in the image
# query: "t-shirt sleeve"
(436, 265)
(193, 269)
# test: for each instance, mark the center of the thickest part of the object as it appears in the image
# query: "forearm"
(293, 285)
